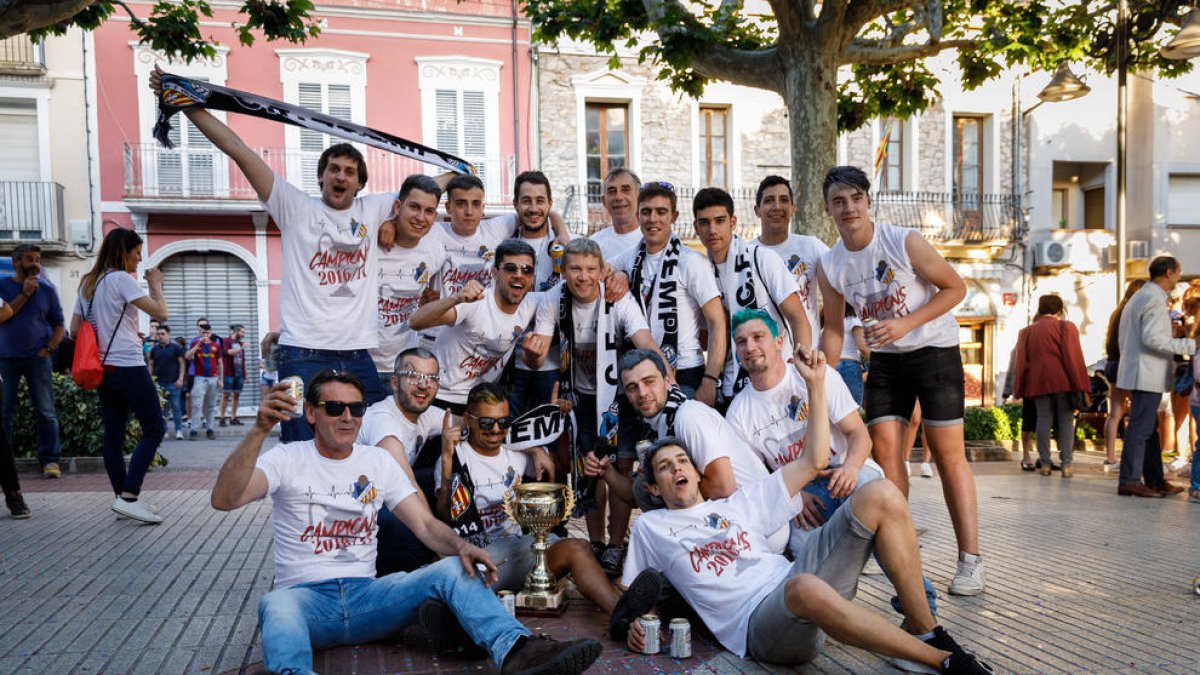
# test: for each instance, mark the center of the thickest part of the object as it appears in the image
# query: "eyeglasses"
(336, 408)
(419, 379)
(489, 422)
(659, 183)
(513, 268)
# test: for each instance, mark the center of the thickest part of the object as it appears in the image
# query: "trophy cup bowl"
(538, 507)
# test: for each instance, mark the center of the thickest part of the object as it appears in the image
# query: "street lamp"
(1064, 86)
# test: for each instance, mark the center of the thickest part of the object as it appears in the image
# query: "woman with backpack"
(109, 300)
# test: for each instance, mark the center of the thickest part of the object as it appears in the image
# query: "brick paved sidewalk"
(1079, 580)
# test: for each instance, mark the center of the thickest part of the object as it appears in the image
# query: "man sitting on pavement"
(757, 603)
(326, 496)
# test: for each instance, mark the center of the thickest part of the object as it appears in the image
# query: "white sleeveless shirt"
(879, 282)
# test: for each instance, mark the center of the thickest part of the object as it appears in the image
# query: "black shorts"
(1028, 415)
(931, 375)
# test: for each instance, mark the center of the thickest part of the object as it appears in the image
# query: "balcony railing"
(21, 56)
(941, 217)
(155, 173)
(31, 211)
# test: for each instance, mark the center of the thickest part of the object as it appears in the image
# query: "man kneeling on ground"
(758, 604)
(326, 496)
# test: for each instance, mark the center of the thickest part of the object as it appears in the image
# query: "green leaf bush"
(79, 427)
(987, 424)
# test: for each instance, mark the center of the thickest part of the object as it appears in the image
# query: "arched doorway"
(221, 287)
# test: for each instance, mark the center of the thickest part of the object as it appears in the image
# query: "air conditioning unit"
(1135, 249)
(1052, 254)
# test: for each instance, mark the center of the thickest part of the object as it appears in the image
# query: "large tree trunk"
(810, 94)
(22, 16)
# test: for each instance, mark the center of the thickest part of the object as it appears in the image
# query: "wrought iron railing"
(204, 173)
(941, 217)
(32, 211)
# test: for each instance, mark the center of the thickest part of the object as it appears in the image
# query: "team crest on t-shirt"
(883, 273)
(716, 521)
(421, 274)
(796, 265)
(364, 490)
(510, 477)
(485, 253)
(797, 409)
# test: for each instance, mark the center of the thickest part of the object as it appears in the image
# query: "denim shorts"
(931, 375)
(234, 383)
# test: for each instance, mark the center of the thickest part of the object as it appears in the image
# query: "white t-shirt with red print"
(716, 554)
(801, 253)
(403, 275)
(325, 511)
(492, 476)
(329, 279)
(476, 348)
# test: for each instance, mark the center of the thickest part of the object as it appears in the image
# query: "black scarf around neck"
(661, 303)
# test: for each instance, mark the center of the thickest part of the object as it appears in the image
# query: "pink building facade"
(455, 76)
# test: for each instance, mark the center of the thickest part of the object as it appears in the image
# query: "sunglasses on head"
(513, 268)
(659, 183)
(489, 422)
(336, 408)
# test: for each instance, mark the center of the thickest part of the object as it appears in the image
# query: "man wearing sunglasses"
(326, 497)
(484, 325)
(474, 472)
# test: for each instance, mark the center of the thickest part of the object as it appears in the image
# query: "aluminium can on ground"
(681, 639)
(650, 625)
(509, 601)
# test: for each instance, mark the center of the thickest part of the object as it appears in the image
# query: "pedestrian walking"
(110, 298)
(13, 499)
(1050, 371)
(27, 344)
(1146, 370)
(167, 364)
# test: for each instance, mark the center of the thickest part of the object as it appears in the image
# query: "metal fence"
(204, 172)
(31, 211)
(941, 216)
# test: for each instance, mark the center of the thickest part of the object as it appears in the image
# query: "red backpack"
(88, 368)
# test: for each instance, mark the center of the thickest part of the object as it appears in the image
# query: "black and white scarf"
(464, 514)
(675, 398)
(748, 292)
(661, 302)
(179, 93)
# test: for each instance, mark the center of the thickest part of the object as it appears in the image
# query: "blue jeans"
(125, 390)
(348, 611)
(820, 488)
(37, 373)
(308, 362)
(530, 388)
(174, 403)
(1196, 454)
(851, 371)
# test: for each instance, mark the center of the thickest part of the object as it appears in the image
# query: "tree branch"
(133, 18)
(858, 52)
(789, 17)
(21, 16)
(808, 10)
(759, 69)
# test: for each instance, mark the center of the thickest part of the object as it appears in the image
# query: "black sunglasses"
(513, 268)
(336, 408)
(489, 422)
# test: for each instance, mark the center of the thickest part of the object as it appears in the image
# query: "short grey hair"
(583, 246)
(418, 352)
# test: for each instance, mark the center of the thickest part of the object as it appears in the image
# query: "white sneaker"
(179, 435)
(1110, 467)
(1179, 464)
(926, 470)
(1185, 470)
(136, 510)
(969, 579)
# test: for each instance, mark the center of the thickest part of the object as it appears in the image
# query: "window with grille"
(891, 178)
(462, 126)
(607, 140)
(331, 99)
(188, 169)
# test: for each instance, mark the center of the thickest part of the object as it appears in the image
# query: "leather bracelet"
(714, 378)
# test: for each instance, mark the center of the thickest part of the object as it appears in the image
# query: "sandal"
(1027, 465)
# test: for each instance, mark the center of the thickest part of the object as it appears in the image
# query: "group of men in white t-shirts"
(631, 330)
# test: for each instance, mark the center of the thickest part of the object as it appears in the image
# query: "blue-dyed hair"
(747, 314)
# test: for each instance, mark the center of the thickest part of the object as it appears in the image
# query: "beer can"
(868, 322)
(557, 252)
(1196, 585)
(650, 625)
(295, 389)
(681, 639)
(509, 601)
(643, 447)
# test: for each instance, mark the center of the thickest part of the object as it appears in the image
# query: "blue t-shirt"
(29, 329)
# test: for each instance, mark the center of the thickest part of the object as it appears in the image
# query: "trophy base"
(547, 605)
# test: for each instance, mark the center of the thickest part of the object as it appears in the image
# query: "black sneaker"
(444, 633)
(598, 549)
(966, 663)
(641, 597)
(612, 559)
(235, 422)
(192, 435)
(17, 506)
(223, 422)
(540, 654)
(210, 434)
(939, 640)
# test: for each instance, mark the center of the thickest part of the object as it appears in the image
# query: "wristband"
(714, 378)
